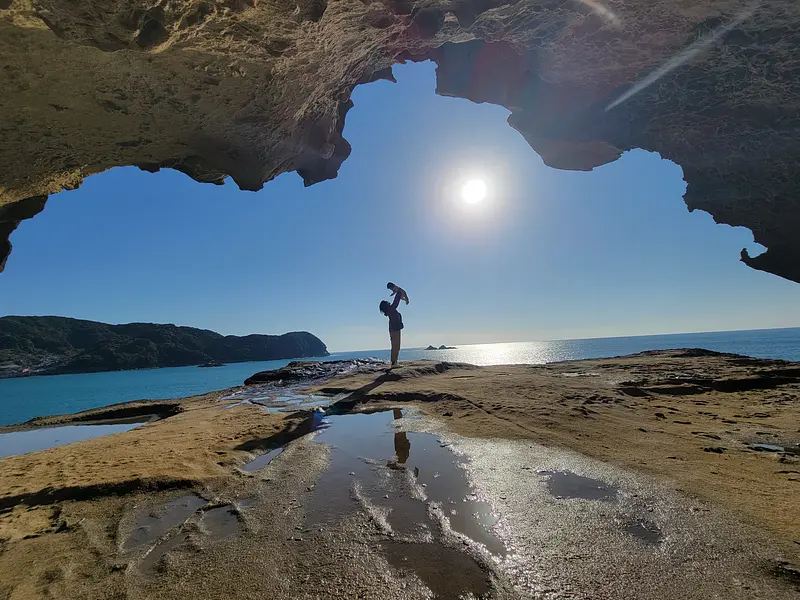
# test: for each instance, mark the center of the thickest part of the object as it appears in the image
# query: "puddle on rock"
(565, 484)
(766, 447)
(222, 522)
(262, 461)
(218, 523)
(32, 440)
(151, 562)
(281, 389)
(644, 530)
(397, 475)
(273, 399)
(448, 573)
(151, 524)
(296, 402)
(291, 404)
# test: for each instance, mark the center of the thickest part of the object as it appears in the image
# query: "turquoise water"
(21, 442)
(25, 398)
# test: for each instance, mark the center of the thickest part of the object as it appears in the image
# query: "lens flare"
(603, 11)
(687, 54)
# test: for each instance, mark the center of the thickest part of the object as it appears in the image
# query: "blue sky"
(548, 254)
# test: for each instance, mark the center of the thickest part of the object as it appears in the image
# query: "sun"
(473, 191)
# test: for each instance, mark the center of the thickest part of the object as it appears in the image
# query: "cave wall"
(254, 88)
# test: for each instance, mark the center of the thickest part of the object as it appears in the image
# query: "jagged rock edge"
(316, 167)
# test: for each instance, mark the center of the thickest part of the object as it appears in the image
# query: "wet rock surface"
(370, 520)
(253, 89)
(411, 483)
(624, 410)
(306, 526)
(447, 572)
(385, 500)
(644, 530)
(311, 371)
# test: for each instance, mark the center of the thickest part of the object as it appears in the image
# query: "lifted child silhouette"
(396, 289)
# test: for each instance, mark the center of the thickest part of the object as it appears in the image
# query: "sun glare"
(473, 191)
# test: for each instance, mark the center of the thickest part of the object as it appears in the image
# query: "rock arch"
(254, 88)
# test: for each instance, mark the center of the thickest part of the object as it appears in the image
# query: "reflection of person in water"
(402, 447)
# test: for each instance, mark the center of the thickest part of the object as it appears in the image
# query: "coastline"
(42, 345)
(68, 393)
(54, 373)
(684, 419)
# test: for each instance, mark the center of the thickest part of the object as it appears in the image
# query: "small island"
(442, 347)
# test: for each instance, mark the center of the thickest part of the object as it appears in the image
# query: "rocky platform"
(659, 475)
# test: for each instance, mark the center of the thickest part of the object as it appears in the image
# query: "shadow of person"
(354, 397)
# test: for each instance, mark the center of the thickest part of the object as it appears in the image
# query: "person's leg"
(395, 337)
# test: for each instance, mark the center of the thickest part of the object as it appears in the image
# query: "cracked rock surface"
(254, 88)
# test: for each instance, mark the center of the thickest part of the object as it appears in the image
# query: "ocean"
(24, 398)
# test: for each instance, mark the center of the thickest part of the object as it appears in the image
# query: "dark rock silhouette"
(307, 371)
(49, 345)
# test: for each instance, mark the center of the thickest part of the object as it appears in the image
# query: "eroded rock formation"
(253, 88)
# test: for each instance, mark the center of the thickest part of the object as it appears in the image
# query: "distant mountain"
(50, 345)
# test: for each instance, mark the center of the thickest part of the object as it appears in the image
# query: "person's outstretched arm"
(396, 301)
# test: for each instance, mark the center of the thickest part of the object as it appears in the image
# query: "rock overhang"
(250, 89)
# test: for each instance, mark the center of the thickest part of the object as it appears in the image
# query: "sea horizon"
(573, 339)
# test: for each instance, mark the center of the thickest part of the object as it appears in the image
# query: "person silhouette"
(395, 325)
